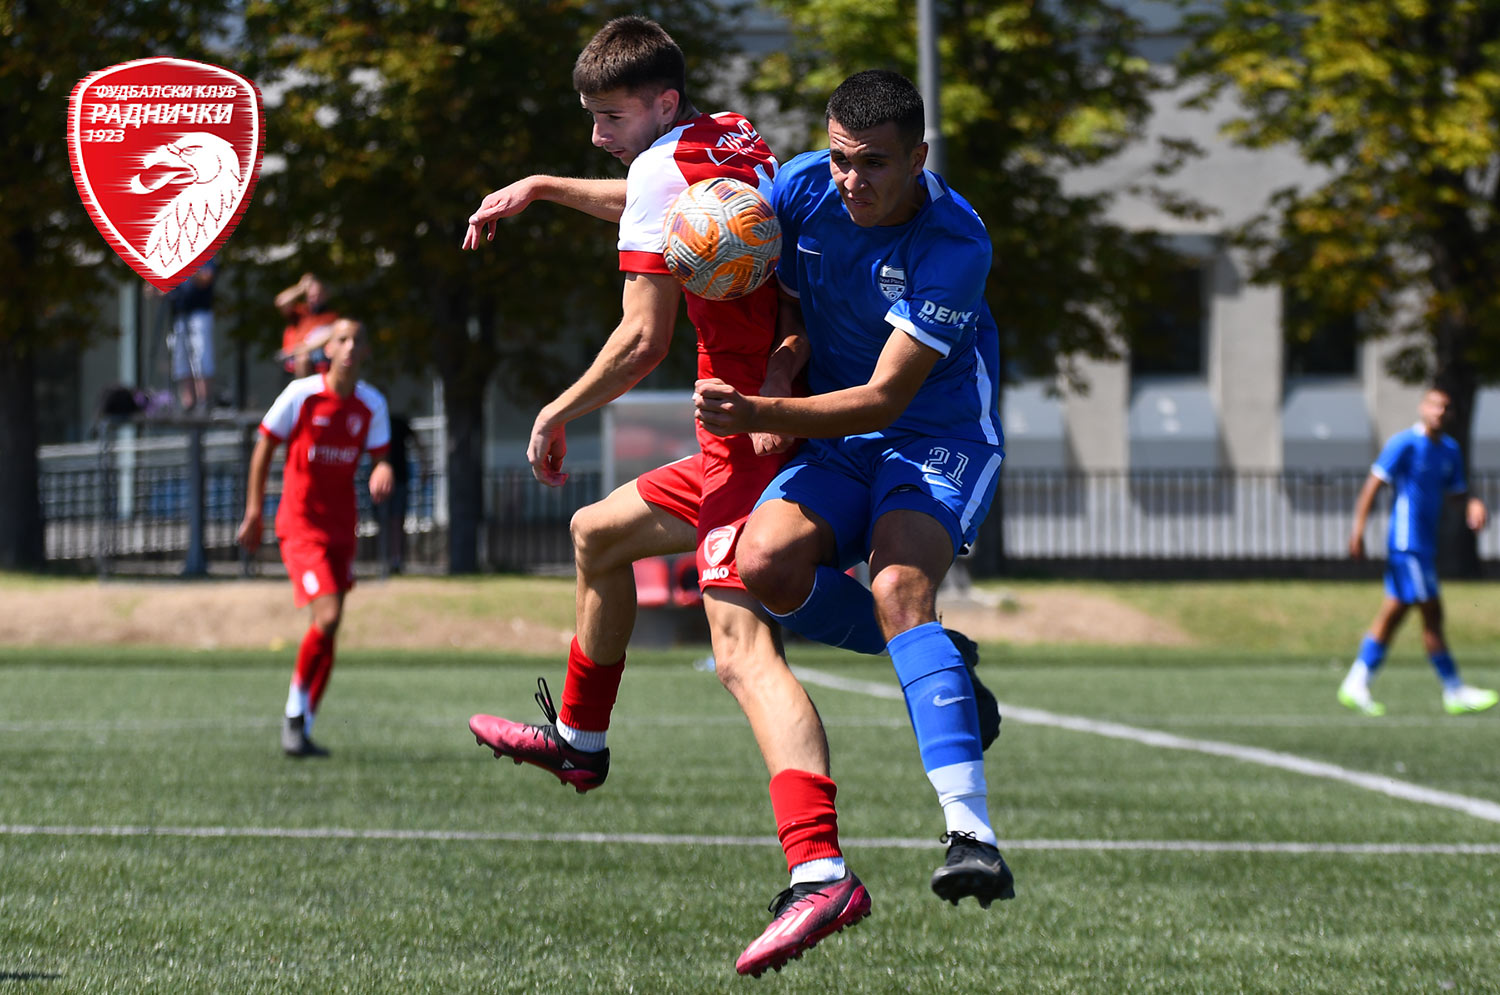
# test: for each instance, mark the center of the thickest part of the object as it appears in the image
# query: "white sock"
(307, 721)
(296, 701)
(1359, 674)
(961, 791)
(818, 871)
(582, 739)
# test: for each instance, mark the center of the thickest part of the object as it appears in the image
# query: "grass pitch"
(156, 841)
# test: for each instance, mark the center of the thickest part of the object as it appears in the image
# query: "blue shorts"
(851, 482)
(1411, 578)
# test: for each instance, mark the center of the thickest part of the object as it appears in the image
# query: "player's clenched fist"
(720, 408)
(249, 532)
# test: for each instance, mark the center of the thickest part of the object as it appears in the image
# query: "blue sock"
(839, 612)
(939, 696)
(1447, 670)
(1371, 654)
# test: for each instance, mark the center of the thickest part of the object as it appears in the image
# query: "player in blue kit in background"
(883, 272)
(1424, 468)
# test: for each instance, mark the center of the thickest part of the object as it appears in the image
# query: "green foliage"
(50, 252)
(392, 121)
(1028, 91)
(1399, 104)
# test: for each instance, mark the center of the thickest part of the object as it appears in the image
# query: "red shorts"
(714, 492)
(317, 568)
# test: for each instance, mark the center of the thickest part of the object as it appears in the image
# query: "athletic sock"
(321, 673)
(588, 699)
(309, 659)
(1447, 670)
(839, 611)
(961, 791)
(807, 825)
(945, 719)
(1371, 656)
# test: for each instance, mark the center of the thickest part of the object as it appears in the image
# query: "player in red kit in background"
(327, 421)
(630, 79)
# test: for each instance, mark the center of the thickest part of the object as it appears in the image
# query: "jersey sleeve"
(1457, 482)
(653, 183)
(378, 439)
(946, 293)
(1388, 464)
(789, 201)
(282, 416)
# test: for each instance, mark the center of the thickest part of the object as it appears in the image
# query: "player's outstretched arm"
(903, 364)
(633, 349)
(1362, 506)
(603, 198)
(249, 533)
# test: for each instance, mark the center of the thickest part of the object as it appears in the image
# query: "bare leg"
(608, 536)
(749, 661)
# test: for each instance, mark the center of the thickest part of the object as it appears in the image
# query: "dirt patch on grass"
(484, 614)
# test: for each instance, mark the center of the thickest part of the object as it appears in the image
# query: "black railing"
(131, 501)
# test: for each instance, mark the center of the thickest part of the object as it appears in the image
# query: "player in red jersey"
(630, 79)
(327, 420)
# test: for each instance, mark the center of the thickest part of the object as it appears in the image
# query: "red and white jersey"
(732, 335)
(325, 435)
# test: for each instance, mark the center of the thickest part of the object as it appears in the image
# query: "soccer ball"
(723, 239)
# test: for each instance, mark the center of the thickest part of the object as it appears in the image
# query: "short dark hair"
(871, 98)
(630, 53)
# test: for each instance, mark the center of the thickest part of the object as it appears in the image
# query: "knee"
(765, 573)
(590, 539)
(903, 599)
(327, 620)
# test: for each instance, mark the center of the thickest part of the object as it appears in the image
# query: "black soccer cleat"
(294, 740)
(972, 868)
(984, 699)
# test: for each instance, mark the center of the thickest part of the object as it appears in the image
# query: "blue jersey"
(1422, 472)
(925, 277)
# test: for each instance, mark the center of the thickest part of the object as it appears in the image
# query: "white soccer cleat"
(1467, 700)
(1356, 695)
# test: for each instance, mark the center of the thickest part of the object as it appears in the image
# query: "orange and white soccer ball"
(722, 238)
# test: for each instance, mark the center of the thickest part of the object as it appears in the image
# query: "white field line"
(665, 839)
(1477, 807)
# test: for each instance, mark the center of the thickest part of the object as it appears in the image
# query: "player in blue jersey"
(1424, 468)
(883, 271)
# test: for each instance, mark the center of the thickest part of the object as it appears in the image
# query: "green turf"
(171, 740)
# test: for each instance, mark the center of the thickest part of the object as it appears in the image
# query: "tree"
(393, 119)
(57, 267)
(1029, 91)
(1398, 104)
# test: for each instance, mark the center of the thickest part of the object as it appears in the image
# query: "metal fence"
(131, 500)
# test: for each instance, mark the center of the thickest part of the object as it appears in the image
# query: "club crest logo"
(165, 154)
(892, 282)
(717, 543)
(354, 423)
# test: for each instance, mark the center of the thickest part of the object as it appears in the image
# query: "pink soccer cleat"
(801, 916)
(541, 746)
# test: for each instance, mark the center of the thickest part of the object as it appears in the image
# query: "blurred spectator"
(392, 513)
(309, 318)
(192, 304)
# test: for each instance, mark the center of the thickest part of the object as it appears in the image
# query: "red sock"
(309, 655)
(806, 821)
(322, 666)
(589, 692)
